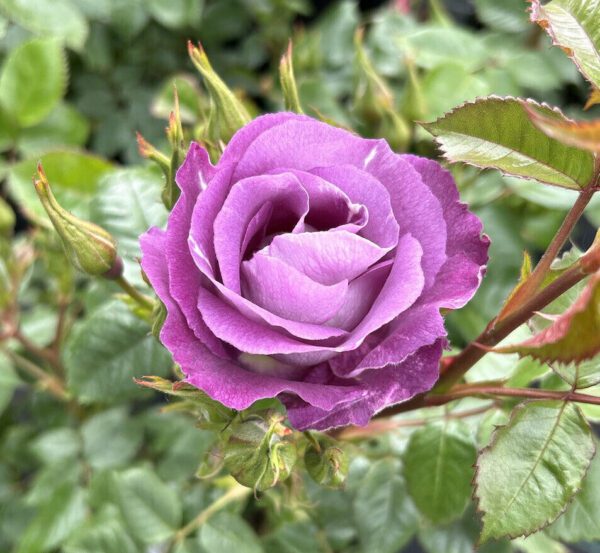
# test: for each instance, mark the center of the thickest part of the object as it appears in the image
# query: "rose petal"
(207, 371)
(361, 294)
(184, 278)
(327, 257)
(416, 208)
(384, 387)
(466, 247)
(330, 207)
(285, 291)
(362, 188)
(246, 197)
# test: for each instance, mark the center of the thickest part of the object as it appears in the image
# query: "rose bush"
(311, 265)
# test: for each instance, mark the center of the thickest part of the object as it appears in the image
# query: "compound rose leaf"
(495, 132)
(534, 466)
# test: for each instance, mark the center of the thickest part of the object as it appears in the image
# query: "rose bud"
(88, 247)
(326, 462)
(227, 113)
(288, 82)
(257, 456)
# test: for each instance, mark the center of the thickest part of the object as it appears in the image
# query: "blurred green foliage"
(88, 461)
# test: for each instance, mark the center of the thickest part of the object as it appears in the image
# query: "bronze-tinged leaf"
(581, 134)
(573, 337)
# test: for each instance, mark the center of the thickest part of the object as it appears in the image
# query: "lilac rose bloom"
(311, 265)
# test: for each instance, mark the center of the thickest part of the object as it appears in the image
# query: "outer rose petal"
(384, 387)
(209, 372)
(185, 280)
(466, 248)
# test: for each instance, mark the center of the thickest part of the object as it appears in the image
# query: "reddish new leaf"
(581, 134)
(573, 337)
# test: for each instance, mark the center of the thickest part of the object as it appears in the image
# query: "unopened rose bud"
(89, 247)
(326, 462)
(148, 151)
(288, 82)
(257, 455)
(227, 113)
(374, 101)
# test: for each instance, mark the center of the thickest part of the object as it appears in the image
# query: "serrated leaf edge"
(493, 440)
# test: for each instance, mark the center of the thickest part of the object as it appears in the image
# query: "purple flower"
(311, 264)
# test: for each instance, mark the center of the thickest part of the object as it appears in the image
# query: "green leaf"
(496, 132)
(575, 27)
(33, 80)
(104, 534)
(107, 350)
(295, 537)
(228, 532)
(127, 205)
(448, 84)
(8, 382)
(580, 522)
(56, 445)
(51, 478)
(73, 175)
(533, 468)
(55, 521)
(150, 508)
(65, 126)
(175, 14)
(459, 536)
(508, 16)
(59, 18)
(384, 514)
(438, 470)
(433, 45)
(573, 337)
(110, 439)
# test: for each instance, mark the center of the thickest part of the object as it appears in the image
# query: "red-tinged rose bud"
(227, 113)
(148, 151)
(288, 82)
(89, 247)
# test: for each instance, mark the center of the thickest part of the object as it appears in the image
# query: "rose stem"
(382, 426)
(532, 284)
(453, 368)
(53, 385)
(238, 492)
(458, 365)
(143, 300)
(532, 393)
(45, 354)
